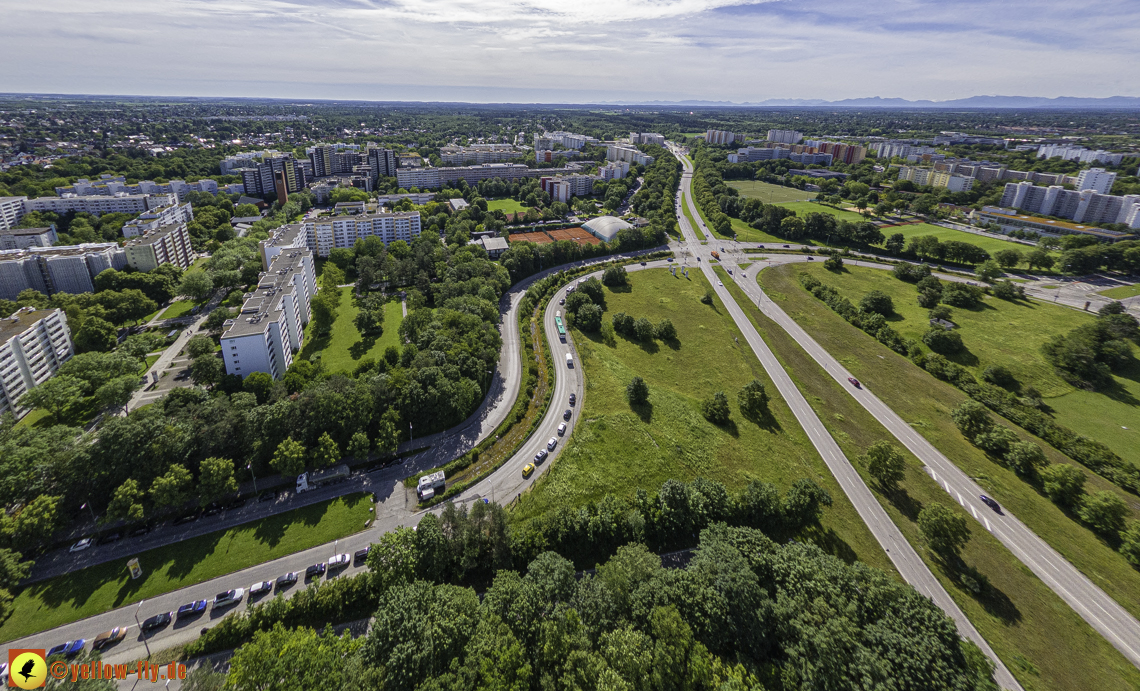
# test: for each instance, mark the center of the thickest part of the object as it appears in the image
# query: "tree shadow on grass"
(673, 343)
(766, 421)
(973, 583)
(315, 345)
(643, 411)
(829, 541)
(649, 346)
(906, 504)
(620, 289)
(964, 358)
(360, 348)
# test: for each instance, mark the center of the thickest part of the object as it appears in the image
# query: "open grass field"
(769, 193)
(507, 206)
(618, 449)
(805, 208)
(178, 309)
(344, 348)
(744, 232)
(1043, 642)
(1011, 335)
(1122, 292)
(104, 587)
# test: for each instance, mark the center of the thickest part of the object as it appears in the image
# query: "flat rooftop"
(25, 231)
(259, 308)
(21, 321)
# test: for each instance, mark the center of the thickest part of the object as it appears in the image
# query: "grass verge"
(1040, 638)
(345, 348)
(100, 588)
(617, 449)
(769, 193)
(1122, 292)
(179, 308)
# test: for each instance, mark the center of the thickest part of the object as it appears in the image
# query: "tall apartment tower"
(1096, 179)
(33, 345)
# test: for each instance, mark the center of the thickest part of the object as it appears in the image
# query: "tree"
(358, 446)
(623, 324)
(804, 502)
(643, 329)
(208, 370)
(216, 479)
(325, 306)
(289, 458)
(196, 284)
(1040, 259)
(895, 243)
(327, 452)
(172, 488)
(1026, 458)
(615, 275)
(216, 321)
(199, 345)
(297, 658)
(945, 530)
(54, 395)
(1129, 546)
(833, 263)
(260, 384)
(715, 409)
(942, 341)
(1008, 259)
(637, 391)
(97, 335)
(126, 502)
(128, 305)
(665, 330)
(886, 464)
(1104, 511)
(999, 375)
(589, 318)
(117, 393)
(1064, 484)
(877, 302)
(988, 271)
(35, 523)
(387, 432)
(752, 399)
(1008, 290)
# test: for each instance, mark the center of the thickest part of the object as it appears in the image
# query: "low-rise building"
(270, 327)
(457, 205)
(33, 345)
(166, 245)
(20, 238)
(495, 246)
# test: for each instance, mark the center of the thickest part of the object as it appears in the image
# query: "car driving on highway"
(990, 503)
(855, 382)
(528, 469)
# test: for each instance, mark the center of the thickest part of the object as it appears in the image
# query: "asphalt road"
(910, 566)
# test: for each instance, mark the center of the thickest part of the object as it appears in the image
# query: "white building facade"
(33, 346)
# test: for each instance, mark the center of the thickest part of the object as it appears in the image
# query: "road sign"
(133, 565)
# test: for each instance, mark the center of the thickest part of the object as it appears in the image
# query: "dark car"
(286, 580)
(212, 510)
(990, 503)
(188, 518)
(855, 382)
(360, 554)
(141, 530)
(567, 414)
(573, 399)
(157, 621)
(191, 609)
(70, 648)
(108, 539)
(235, 504)
(267, 495)
(315, 570)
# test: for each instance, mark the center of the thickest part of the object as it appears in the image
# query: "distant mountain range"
(1119, 102)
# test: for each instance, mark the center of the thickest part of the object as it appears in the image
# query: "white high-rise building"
(11, 211)
(785, 136)
(33, 345)
(1097, 179)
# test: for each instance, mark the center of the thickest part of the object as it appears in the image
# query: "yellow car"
(528, 469)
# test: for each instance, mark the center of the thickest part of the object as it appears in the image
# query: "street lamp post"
(147, 645)
(249, 467)
(409, 433)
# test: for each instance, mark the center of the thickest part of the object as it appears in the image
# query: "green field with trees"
(769, 193)
(97, 589)
(620, 447)
(1034, 632)
(507, 206)
(345, 347)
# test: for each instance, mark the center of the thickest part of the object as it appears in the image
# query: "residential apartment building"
(49, 270)
(1081, 206)
(628, 154)
(1009, 219)
(615, 170)
(636, 138)
(569, 140)
(936, 178)
(478, 153)
(33, 345)
(433, 178)
(323, 235)
(157, 218)
(247, 159)
(562, 188)
(270, 327)
(722, 137)
(751, 154)
(1079, 153)
(381, 163)
(11, 211)
(785, 136)
(108, 185)
(19, 238)
(547, 156)
(1096, 179)
(259, 179)
(98, 204)
(166, 245)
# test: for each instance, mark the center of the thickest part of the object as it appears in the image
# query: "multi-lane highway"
(910, 566)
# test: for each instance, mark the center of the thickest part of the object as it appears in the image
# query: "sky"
(572, 51)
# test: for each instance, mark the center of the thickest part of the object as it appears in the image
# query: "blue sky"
(572, 50)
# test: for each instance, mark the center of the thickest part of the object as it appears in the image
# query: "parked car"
(286, 580)
(260, 588)
(191, 609)
(108, 638)
(540, 457)
(528, 469)
(212, 510)
(108, 539)
(855, 382)
(141, 530)
(230, 597)
(69, 648)
(188, 518)
(990, 503)
(573, 399)
(553, 442)
(267, 495)
(315, 570)
(157, 621)
(81, 545)
(338, 561)
(360, 555)
(567, 414)
(561, 428)
(235, 504)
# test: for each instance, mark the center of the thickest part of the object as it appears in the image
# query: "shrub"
(589, 318)
(1008, 290)
(637, 391)
(1064, 484)
(912, 273)
(615, 276)
(940, 312)
(962, 295)
(623, 324)
(1104, 512)
(753, 399)
(715, 408)
(942, 341)
(1130, 544)
(665, 330)
(996, 374)
(833, 263)
(877, 302)
(643, 329)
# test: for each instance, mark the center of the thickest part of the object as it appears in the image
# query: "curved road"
(910, 566)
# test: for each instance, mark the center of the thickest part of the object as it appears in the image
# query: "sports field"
(769, 193)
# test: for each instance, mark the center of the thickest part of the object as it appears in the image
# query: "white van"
(569, 360)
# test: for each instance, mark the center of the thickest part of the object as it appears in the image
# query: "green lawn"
(507, 206)
(178, 309)
(1011, 335)
(616, 449)
(345, 348)
(744, 232)
(1121, 292)
(769, 193)
(104, 587)
(804, 208)
(1041, 639)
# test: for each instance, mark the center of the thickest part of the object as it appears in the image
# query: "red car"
(855, 382)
